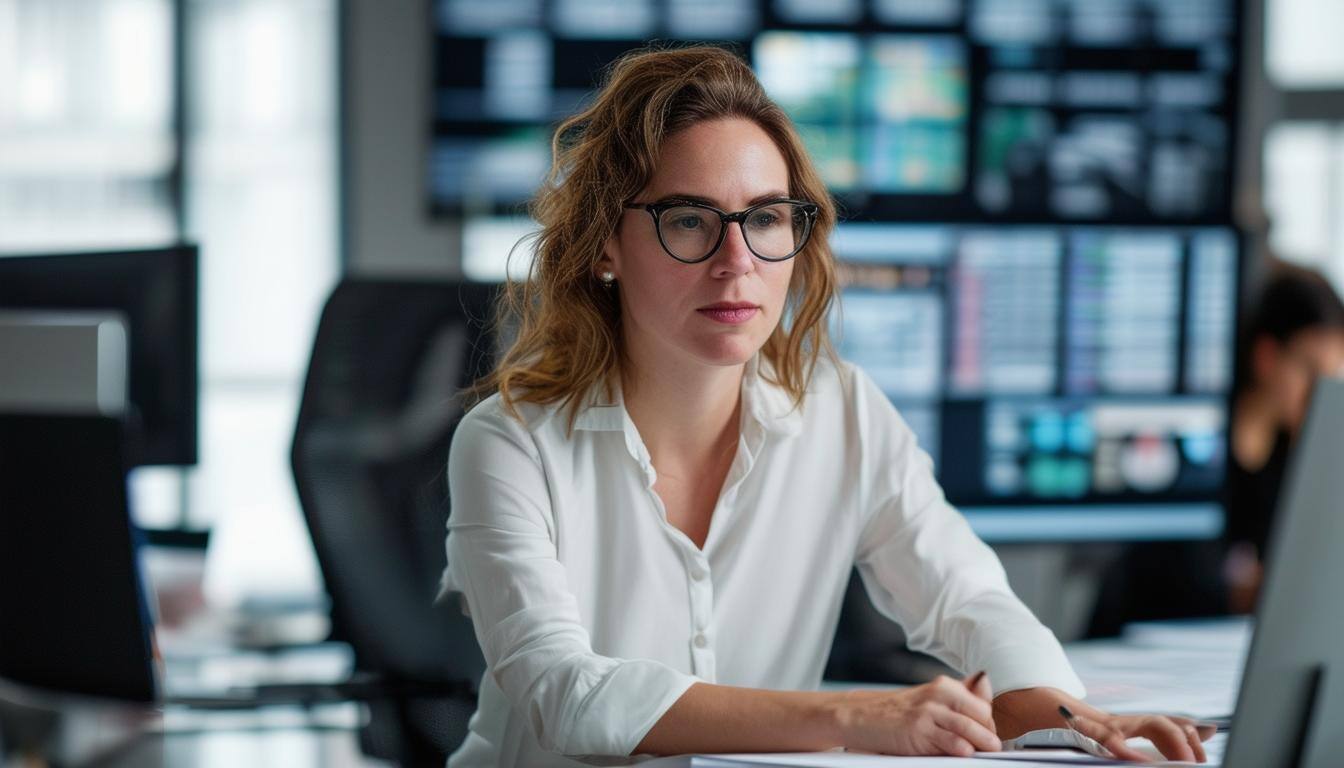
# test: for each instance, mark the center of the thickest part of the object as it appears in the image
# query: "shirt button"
(700, 640)
(698, 573)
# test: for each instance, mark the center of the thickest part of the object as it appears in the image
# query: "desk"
(1180, 666)
(75, 731)
(101, 734)
(274, 737)
(1191, 667)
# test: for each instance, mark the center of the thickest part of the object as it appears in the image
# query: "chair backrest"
(370, 456)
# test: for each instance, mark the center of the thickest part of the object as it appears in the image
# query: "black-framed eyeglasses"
(691, 232)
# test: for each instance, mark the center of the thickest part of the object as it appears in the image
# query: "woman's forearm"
(721, 718)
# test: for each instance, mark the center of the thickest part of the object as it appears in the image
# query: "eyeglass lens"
(772, 232)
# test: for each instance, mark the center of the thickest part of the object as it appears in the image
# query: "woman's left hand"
(1177, 738)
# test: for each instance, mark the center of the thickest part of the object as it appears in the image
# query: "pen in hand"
(978, 685)
(973, 681)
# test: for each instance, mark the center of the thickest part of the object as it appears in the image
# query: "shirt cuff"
(1042, 664)
(620, 711)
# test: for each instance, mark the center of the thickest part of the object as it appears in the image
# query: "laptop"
(1290, 710)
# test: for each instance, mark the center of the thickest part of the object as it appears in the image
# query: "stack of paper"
(839, 759)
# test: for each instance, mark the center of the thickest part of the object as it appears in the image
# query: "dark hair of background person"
(1291, 299)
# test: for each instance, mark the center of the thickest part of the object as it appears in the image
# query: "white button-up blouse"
(595, 614)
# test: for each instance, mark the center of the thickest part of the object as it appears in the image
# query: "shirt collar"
(768, 405)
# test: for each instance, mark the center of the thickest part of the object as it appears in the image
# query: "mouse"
(1057, 738)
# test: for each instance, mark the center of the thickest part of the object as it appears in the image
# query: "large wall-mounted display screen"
(1013, 110)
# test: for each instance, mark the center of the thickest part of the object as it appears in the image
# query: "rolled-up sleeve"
(502, 557)
(925, 568)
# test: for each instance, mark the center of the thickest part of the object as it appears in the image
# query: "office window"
(1302, 47)
(261, 198)
(86, 138)
(1303, 146)
(1304, 194)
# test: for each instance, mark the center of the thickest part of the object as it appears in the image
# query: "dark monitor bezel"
(165, 444)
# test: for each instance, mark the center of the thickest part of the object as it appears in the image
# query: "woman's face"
(730, 164)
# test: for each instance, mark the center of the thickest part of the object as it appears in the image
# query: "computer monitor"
(75, 614)
(1071, 382)
(998, 110)
(1291, 704)
(155, 290)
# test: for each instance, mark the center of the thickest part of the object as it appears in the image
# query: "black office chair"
(369, 458)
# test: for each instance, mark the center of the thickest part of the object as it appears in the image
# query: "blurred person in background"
(1293, 335)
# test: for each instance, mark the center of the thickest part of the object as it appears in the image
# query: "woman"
(656, 511)
(1294, 335)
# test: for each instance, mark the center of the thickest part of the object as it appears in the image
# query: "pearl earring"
(607, 276)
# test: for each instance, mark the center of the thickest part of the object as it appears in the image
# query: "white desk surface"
(1175, 667)
(1181, 667)
(1192, 667)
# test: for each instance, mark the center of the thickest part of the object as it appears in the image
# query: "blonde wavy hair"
(568, 324)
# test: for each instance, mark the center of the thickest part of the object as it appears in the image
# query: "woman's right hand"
(943, 717)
